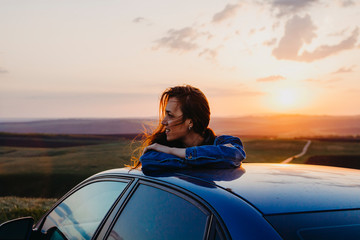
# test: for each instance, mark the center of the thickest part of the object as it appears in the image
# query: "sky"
(114, 58)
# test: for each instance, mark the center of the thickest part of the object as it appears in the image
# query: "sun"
(285, 99)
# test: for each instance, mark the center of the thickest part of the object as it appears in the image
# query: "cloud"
(139, 20)
(229, 11)
(328, 50)
(339, 33)
(270, 42)
(254, 30)
(330, 83)
(210, 54)
(182, 40)
(345, 70)
(300, 31)
(271, 78)
(286, 7)
(2, 71)
(346, 3)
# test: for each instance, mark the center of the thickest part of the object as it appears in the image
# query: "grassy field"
(41, 169)
(270, 149)
(44, 167)
(14, 207)
(69, 160)
(51, 172)
(46, 154)
(331, 148)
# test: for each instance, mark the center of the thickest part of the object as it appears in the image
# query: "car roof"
(275, 188)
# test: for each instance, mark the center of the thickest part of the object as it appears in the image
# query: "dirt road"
(288, 160)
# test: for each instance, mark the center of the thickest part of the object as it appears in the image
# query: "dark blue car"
(256, 201)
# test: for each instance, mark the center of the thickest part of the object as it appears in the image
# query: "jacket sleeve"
(227, 152)
(157, 161)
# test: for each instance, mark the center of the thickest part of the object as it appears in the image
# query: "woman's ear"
(189, 123)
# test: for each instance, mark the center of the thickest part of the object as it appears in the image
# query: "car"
(254, 201)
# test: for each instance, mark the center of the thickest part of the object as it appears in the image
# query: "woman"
(183, 139)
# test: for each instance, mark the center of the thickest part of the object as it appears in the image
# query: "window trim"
(179, 194)
(109, 223)
(215, 227)
(213, 220)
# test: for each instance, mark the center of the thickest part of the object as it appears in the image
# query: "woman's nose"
(164, 121)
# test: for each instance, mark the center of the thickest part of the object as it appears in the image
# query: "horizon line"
(28, 119)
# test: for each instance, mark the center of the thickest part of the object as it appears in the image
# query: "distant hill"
(289, 125)
(77, 126)
(273, 125)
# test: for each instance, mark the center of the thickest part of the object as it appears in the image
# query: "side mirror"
(18, 229)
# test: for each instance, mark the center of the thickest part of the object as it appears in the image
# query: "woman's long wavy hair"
(194, 105)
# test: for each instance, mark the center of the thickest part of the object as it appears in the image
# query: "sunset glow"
(285, 100)
(63, 59)
(287, 97)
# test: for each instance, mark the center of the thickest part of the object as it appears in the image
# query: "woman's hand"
(179, 152)
(158, 147)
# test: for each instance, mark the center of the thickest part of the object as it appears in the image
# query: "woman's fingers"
(150, 147)
(157, 147)
(146, 149)
(228, 145)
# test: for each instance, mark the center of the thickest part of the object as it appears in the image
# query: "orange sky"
(65, 59)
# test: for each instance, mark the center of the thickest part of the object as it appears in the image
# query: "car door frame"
(214, 221)
(105, 226)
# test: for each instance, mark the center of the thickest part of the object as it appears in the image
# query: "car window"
(79, 215)
(153, 213)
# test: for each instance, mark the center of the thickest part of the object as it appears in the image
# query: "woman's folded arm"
(227, 152)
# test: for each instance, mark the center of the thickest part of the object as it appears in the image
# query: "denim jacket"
(225, 152)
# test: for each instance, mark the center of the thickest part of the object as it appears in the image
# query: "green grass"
(51, 172)
(330, 148)
(90, 159)
(69, 160)
(271, 150)
(14, 207)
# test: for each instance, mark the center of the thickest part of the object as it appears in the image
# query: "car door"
(156, 211)
(82, 212)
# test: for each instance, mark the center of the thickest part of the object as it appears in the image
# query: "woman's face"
(175, 127)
